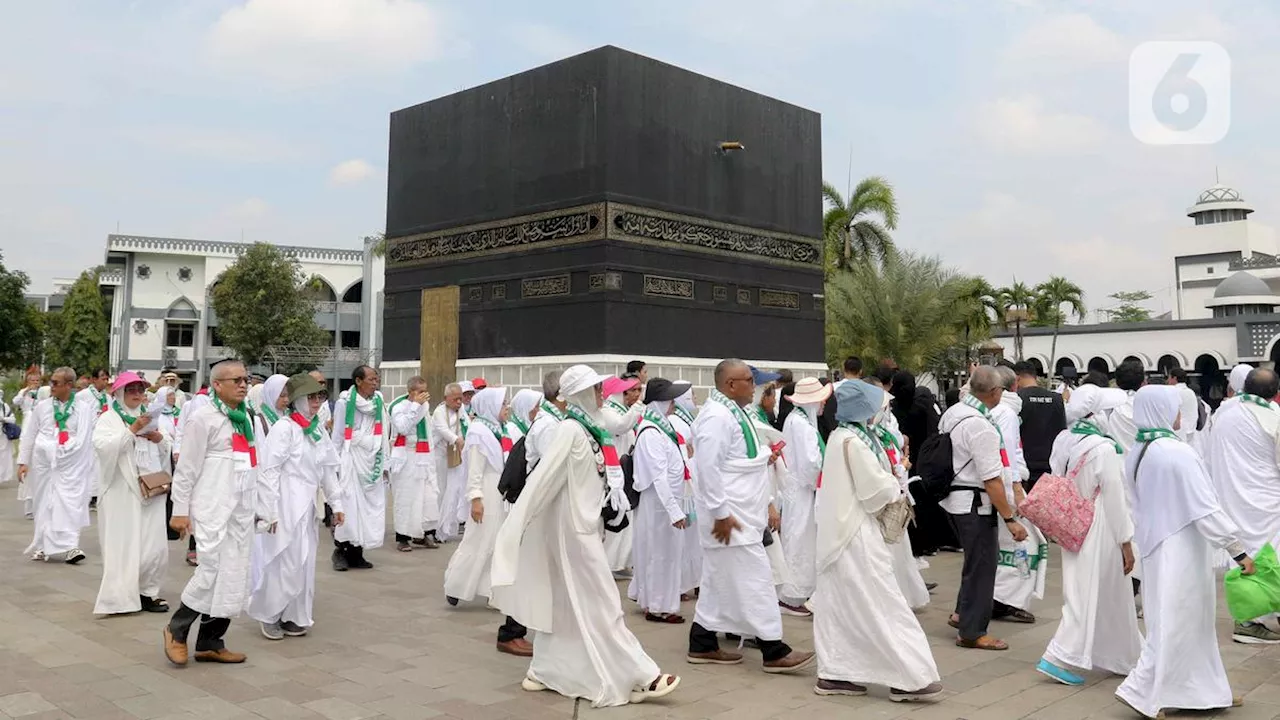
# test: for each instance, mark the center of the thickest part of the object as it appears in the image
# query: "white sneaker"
(921, 563)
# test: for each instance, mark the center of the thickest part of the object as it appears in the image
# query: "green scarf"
(760, 414)
(1084, 427)
(662, 424)
(622, 409)
(523, 425)
(422, 424)
(551, 410)
(1246, 397)
(862, 432)
(748, 432)
(101, 397)
(822, 444)
(887, 439)
(978, 405)
(127, 418)
(270, 414)
(602, 436)
(62, 413)
(377, 415)
(498, 431)
(311, 429)
(1146, 435)
(684, 415)
(241, 420)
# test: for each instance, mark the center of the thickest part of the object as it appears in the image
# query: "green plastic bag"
(1252, 596)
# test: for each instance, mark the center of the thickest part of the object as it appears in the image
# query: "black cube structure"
(607, 203)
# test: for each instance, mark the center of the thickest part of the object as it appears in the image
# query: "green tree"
(1016, 304)
(909, 308)
(1128, 309)
(1051, 295)
(80, 341)
(261, 300)
(17, 331)
(982, 309)
(859, 229)
(53, 357)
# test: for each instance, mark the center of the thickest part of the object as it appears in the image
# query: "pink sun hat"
(617, 386)
(124, 379)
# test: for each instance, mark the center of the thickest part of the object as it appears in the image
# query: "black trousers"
(702, 640)
(511, 630)
(402, 538)
(209, 637)
(977, 534)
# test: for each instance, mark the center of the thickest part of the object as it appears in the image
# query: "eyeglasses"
(748, 379)
(242, 380)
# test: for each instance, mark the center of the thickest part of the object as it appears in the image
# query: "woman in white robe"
(550, 571)
(1099, 627)
(620, 419)
(1177, 524)
(8, 470)
(691, 555)
(524, 410)
(486, 448)
(863, 630)
(894, 459)
(803, 453)
(27, 402)
(131, 528)
(660, 519)
(270, 405)
(299, 459)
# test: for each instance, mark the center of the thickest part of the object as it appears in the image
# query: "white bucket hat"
(809, 391)
(578, 378)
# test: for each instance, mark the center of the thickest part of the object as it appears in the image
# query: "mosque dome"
(1242, 284)
(1219, 193)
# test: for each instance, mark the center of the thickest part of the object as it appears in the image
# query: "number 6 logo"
(1179, 93)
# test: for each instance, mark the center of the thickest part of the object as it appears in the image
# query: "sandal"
(1017, 615)
(403, 547)
(954, 621)
(191, 559)
(986, 642)
(661, 687)
(668, 618)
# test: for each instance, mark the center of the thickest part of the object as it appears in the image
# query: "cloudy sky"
(1002, 123)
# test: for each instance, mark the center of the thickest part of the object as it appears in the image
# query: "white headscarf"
(685, 401)
(1172, 488)
(1239, 374)
(271, 389)
(524, 403)
(487, 405)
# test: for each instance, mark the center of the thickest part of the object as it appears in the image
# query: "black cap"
(219, 361)
(659, 389)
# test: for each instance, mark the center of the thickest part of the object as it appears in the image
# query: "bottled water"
(1021, 561)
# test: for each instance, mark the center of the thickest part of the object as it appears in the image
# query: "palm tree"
(909, 308)
(1016, 304)
(982, 308)
(851, 230)
(1051, 295)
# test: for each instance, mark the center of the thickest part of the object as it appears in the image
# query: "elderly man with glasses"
(215, 498)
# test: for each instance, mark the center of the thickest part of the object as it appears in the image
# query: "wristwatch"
(1011, 518)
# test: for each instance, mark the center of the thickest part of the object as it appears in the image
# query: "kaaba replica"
(607, 203)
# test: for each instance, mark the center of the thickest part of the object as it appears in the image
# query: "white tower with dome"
(1222, 239)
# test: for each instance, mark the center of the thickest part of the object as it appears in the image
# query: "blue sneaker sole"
(1061, 676)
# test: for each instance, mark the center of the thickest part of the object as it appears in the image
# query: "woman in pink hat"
(131, 528)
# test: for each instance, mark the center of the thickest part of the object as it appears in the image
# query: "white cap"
(1239, 374)
(467, 386)
(578, 378)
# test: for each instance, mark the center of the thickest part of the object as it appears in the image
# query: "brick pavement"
(387, 646)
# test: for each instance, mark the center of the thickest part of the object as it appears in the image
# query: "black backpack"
(628, 464)
(935, 468)
(514, 473)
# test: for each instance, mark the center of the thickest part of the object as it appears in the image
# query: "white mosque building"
(1226, 281)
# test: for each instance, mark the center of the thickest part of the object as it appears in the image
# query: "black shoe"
(154, 605)
(453, 601)
(355, 559)
(339, 560)
(931, 586)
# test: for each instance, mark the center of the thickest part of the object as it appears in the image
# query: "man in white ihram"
(359, 431)
(737, 594)
(55, 458)
(215, 498)
(550, 571)
(1244, 462)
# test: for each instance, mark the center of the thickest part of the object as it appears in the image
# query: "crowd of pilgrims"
(776, 497)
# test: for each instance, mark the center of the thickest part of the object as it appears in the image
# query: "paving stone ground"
(387, 646)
